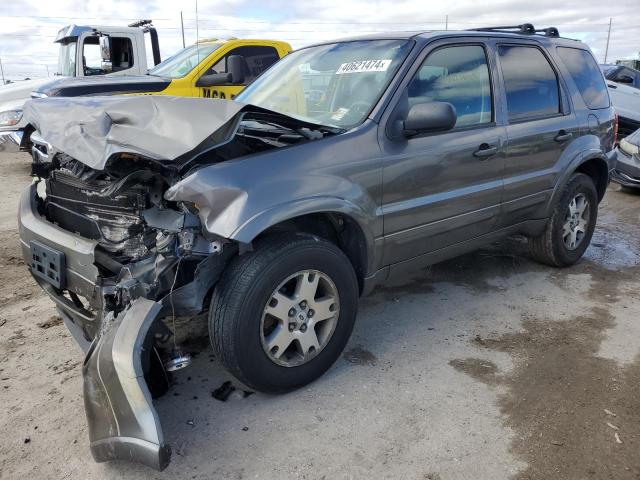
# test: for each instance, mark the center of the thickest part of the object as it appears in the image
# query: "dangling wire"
(173, 311)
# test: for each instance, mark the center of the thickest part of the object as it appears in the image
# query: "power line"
(294, 22)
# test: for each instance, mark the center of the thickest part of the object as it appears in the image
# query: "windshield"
(336, 84)
(180, 64)
(67, 59)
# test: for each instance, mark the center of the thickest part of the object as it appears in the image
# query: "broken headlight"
(629, 148)
(10, 118)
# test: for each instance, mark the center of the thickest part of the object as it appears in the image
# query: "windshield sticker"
(364, 66)
(339, 114)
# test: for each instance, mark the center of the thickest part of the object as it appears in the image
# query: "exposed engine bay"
(118, 255)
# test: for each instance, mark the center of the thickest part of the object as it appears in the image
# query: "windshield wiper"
(291, 122)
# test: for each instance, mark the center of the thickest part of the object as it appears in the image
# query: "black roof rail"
(524, 29)
(140, 23)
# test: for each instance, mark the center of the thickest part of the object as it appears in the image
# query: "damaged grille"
(94, 210)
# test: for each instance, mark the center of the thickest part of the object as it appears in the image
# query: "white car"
(626, 100)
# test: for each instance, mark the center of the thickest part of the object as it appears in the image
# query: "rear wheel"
(570, 228)
(282, 314)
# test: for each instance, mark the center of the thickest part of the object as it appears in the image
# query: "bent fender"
(123, 423)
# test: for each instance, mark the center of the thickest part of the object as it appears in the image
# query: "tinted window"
(624, 75)
(460, 76)
(530, 83)
(586, 75)
(258, 60)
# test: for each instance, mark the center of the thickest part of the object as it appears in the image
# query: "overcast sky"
(28, 27)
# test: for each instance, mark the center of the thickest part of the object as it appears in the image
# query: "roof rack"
(140, 23)
(524, 29)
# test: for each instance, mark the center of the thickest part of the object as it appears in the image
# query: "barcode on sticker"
(364, 66)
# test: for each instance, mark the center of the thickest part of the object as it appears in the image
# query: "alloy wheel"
(299, 318)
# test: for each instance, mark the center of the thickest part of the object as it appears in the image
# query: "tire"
(248, 287)
(551, 246)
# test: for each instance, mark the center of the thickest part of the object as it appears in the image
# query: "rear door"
(540, 125)
(445, 188)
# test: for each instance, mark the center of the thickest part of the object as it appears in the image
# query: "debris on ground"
(53, 321)
(227, 390)
(359, 356)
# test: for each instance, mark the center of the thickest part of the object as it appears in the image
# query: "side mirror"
(105, 53)
(236, 65)
(625, 79)
(429, 117)
(234, 75)
(105, 48)
(214, 79)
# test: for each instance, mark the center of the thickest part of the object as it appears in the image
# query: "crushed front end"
(119, 253)
(117, 259)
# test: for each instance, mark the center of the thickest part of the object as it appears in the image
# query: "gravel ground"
(488, 366)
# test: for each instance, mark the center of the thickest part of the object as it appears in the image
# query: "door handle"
(485, 151)
(563, 136)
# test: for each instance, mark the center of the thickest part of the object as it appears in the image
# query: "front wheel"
(570, 228)
(281, 315)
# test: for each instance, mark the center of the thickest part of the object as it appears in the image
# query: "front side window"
(92, 57)
(180, 64)
(530, 82)
(458, 75)
(121, 55)
(337, 84)
(586, 75)
(67, 59)
(257, 60)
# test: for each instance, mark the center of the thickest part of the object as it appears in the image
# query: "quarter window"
(530, 82)
(458, 75)
(586, 75)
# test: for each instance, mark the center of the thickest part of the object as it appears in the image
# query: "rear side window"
(458, 75)
(530, 82)
(586, 75)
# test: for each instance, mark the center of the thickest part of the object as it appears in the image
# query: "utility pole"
(47, 66)
(446, 23)
(182, 25)
(606, 50)
(2, 72)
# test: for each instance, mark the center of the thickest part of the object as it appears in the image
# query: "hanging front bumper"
(123, 424)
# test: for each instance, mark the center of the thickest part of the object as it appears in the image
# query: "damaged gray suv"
(345, 163)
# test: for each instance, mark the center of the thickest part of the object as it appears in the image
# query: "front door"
(444, 188)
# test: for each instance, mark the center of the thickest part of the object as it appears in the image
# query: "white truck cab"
(85, 50)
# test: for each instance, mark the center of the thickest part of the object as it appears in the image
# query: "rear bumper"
(122, 421)
(627, 170)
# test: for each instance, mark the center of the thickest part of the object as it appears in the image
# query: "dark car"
(622, 74)
(627, 171)
(275, 212)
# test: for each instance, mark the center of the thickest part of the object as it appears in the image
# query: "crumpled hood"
(19, 90)
(93, 129)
